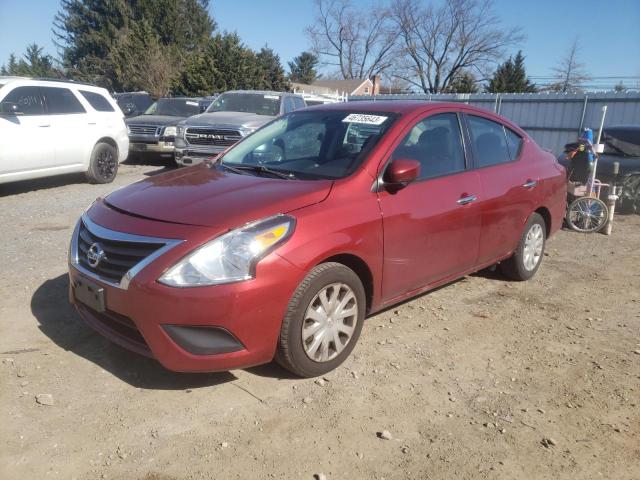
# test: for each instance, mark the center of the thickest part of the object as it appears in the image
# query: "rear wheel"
(525, 261)
(323, 321)
(587, 214)
(103, 165)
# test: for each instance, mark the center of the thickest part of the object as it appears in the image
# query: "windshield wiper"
(258, 169)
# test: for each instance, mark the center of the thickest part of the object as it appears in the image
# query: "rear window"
(489, 141)
(61, 101)
(514, 142)
(97, 101)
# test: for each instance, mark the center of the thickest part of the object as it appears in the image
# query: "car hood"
(207, 196)
(229, 119)
(161, 120)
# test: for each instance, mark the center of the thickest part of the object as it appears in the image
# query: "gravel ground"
(483, 378)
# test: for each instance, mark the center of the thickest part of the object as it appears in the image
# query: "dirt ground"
(483, 378)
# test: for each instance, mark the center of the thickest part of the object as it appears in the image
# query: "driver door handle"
(467, 199)
(530, 184)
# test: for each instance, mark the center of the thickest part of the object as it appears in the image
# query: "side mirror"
(10, 108)
(401, 172)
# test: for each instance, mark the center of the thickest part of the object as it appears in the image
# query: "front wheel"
(525, 261)
(323, 321)
(103, 165)
(587, 214)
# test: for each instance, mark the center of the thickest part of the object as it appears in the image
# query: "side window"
(514, 143)
(28, 100)
(299, 103)
(489, 141)
(97, 101)
(436, 142)
(61, 100)
(288, 105)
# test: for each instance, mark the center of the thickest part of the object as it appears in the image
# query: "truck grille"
(149, 130)
(211, 136)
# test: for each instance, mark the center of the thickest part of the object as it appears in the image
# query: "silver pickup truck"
(229, 118)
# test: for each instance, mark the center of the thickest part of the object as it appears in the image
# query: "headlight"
(231, 257)
(170, 131)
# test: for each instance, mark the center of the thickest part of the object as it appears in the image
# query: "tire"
(587, 214)
(526, 260)
(103, 166)
(297, 354)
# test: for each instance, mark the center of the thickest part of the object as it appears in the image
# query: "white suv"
(50, 127)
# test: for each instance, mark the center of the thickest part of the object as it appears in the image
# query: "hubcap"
(106, 164)
(329, 322)
(533, 244)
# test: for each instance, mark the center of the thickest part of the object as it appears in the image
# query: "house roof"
(346, 86)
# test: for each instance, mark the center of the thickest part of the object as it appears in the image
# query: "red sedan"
(283, 245)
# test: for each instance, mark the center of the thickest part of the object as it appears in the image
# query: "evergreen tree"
(96, 35)
(272, 76)
(303, 68)
(510, 77)
(34, 64)
(464, 82)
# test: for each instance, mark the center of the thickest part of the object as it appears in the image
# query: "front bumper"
(164, 149)
(140, 317)
(192, 155)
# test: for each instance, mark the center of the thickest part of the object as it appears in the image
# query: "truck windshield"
(311, 145)
(258, 103)
(174, 107)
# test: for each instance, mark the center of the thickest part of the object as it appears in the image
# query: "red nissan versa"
(284, 244)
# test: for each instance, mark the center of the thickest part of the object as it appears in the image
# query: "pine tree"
(303, 68)
(272, 76)
(35, 63)
(510, 77)
(463, 83)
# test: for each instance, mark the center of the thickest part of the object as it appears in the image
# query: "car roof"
(264, 92)
(388, 106)
(49, 82)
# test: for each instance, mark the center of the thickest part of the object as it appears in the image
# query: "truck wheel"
(525, 261)
(103, 165)
(323, 321)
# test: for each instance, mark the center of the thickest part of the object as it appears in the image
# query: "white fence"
(552, 119)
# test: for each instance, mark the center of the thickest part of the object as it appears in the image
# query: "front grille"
(212, 136)
(119, 256)
(149, 130)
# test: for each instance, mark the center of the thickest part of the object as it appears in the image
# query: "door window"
(514, 142)
(28, 99)
(97, 101)
(436, 142)
(61, 101)
(489, 141)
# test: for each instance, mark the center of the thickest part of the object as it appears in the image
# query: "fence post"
(584, 112)
(499, 104)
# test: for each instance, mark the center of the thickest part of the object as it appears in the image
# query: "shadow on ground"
(24, 186)
(60, 322)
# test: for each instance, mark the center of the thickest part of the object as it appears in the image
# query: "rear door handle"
(530, 184)
(467, 199)
(91, 123)
(45, 125)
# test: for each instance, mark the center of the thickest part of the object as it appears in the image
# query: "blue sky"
(609, 31)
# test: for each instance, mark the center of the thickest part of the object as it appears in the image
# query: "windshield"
(258, 103)
(624, 141)
(174, 107)
(312, 145)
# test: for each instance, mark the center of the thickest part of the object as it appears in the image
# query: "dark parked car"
(154, 131)
(231, 263)
(133, 103)
(622, 145)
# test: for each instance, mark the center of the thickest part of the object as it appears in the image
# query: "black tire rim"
(106, 164)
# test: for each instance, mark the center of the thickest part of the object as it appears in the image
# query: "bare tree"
(437, 43)
(569, 73)
(359, 41)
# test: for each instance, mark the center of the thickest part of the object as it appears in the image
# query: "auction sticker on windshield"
(195, 104)
(366, 119)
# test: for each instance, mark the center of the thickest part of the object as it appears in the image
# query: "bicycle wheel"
(587, 214)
